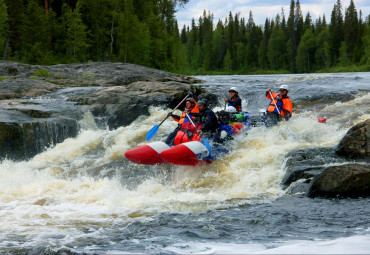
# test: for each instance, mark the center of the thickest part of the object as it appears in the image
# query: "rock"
(348, 180)
(356, 143)
(18, 88)
(120, 105)
(24, 136)
(41, 105)
(28, 127)
(307, 163)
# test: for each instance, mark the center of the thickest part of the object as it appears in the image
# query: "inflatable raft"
(189, 150)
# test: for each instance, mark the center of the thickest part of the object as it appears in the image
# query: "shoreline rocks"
(41, 105)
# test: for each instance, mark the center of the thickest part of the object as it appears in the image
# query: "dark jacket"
(236, 102)
(209, 120)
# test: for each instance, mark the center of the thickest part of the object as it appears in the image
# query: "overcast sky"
(261, 9)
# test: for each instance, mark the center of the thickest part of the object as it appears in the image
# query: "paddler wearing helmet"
(192, 109)
(234, 100)
(280, 107)
(210, 127)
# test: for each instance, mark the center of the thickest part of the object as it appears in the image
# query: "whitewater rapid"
(83, 186)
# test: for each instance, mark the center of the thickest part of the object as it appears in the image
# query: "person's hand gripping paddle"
(154, 129)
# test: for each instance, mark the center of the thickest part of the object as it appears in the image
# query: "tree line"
(146, 32)
(294, 44)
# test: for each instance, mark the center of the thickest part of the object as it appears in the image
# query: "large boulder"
(42, 105)
(356, 143)
(120, 105)
(347, 180)
(306, 163)
(22, 136)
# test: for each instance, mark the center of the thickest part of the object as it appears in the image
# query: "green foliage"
(305, 52)
(87, 76)
(3, 22)
(42, 73)
(146, 32)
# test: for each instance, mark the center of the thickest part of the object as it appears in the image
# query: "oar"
(206, 143)
(154, 129)
(273, 100)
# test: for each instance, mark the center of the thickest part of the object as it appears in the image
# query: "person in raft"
(210, 128)
(280, 107)
(234, 100)
(192, 109)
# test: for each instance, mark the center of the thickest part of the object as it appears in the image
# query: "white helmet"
(284, 87)
(234, 89)
(231, 109)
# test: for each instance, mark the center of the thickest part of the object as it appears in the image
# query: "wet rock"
(41, 105)
(356, 143)
(18, 88)
(88, 74)
(121, 105)
(24, 137)
(347, 180)
(307, 163)
(28, 127)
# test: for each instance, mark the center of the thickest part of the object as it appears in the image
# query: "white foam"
(348, 245)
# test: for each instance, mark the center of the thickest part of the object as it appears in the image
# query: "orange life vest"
(284, 105)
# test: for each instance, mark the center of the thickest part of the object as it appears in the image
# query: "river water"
(83, 196)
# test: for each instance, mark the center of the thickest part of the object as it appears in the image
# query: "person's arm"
(269, 96)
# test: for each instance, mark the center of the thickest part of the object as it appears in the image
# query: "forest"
(146, 32)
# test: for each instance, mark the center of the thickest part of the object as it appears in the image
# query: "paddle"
(273, 100)
(206, 143)
(154, 129)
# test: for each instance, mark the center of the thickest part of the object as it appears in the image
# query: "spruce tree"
(336, 31)
(350, 29)
(4, 41)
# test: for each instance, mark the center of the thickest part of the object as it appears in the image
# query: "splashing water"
(85, 184)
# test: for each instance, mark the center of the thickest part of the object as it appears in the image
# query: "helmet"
(202, 102)
(231, 109)
(233, 89)
(284, 87)
(190, 100)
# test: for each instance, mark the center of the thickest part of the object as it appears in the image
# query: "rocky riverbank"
(42, 105)
(343, 171)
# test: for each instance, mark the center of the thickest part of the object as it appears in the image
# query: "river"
(83, 196)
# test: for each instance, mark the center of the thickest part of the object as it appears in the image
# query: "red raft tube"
(186, 154)
(147, 154)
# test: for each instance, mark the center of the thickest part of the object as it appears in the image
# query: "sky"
(261, 9)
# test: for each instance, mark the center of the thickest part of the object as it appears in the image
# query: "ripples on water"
(82, 195)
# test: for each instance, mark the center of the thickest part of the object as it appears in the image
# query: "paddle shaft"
(206, 143)
(177, 106)
(273, 100)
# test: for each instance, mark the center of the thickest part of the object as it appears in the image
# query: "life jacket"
(184, 136)
(284, 105)
(184, 118)
(232, 103)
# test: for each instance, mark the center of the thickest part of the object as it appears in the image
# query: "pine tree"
(36, 39)
(292, 41)
(76, 40)
(350, 29)
(3, 27)
(336, 30)
(15, 21)
(133, 37)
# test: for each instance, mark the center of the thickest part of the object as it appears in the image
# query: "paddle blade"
(152, 132)
(206, 143)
